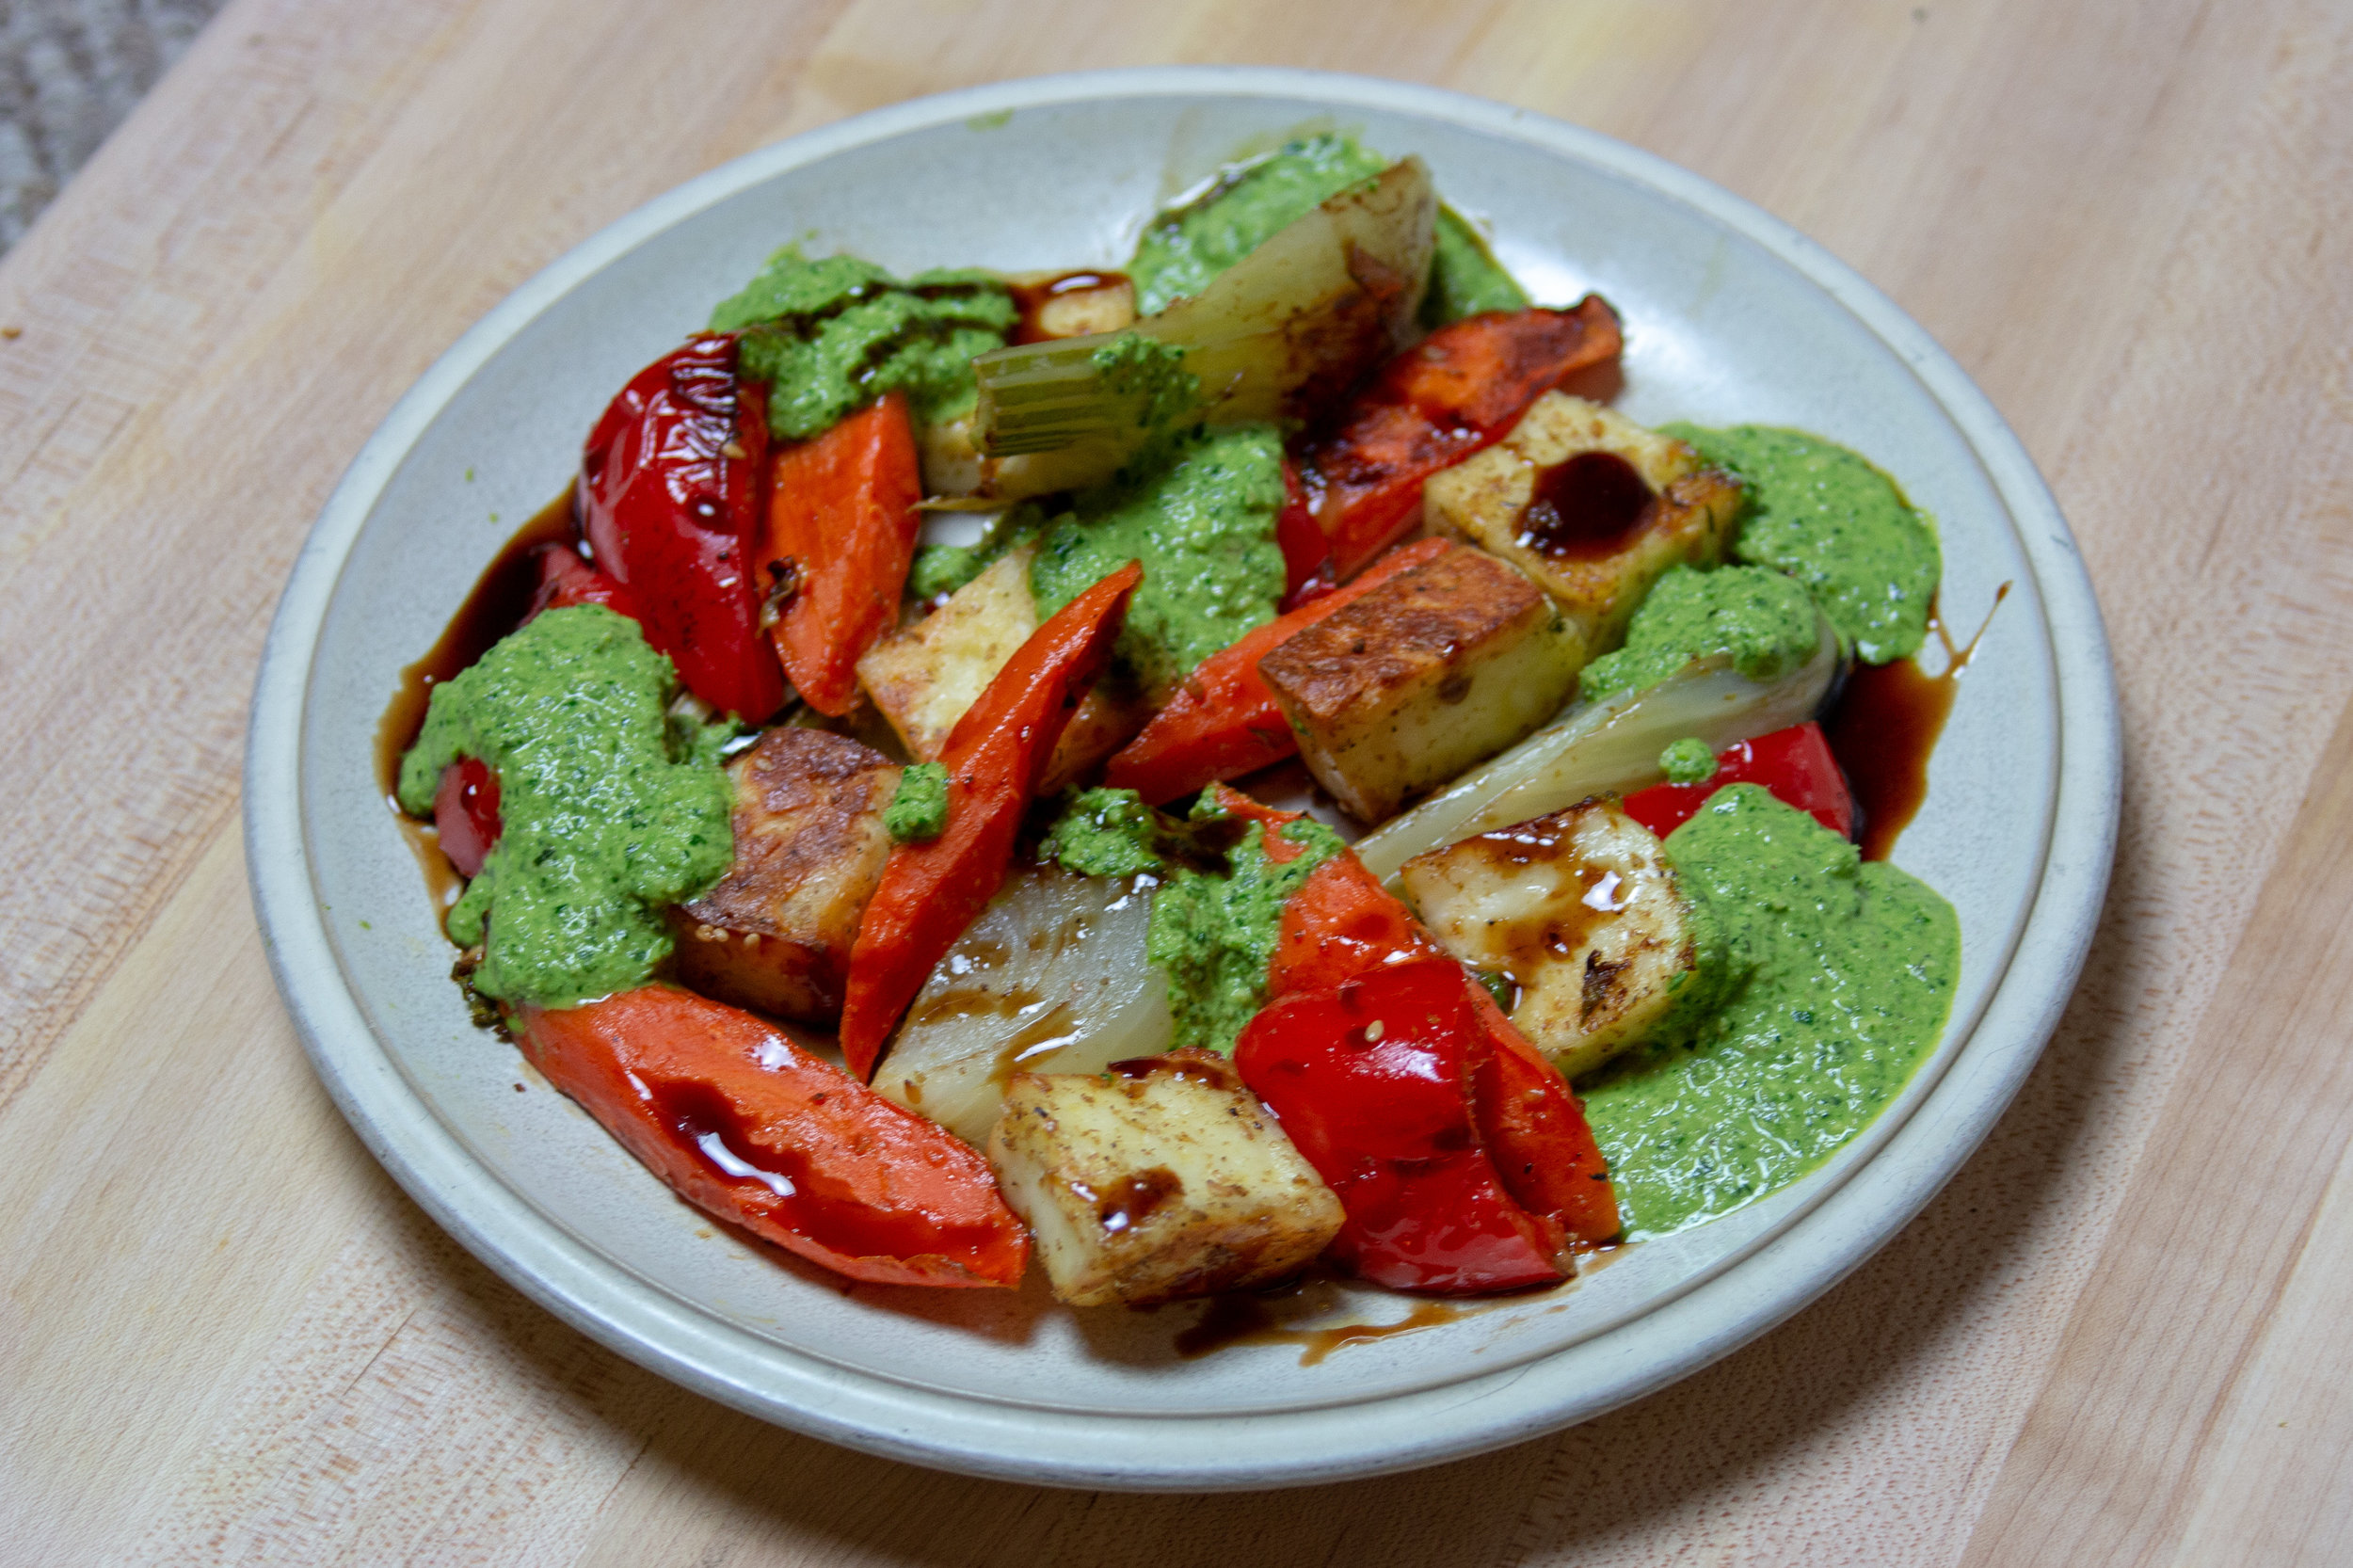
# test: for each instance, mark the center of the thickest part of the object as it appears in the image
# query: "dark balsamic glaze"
(1257, 1318)
(1885, 725)
(1032, 299)
(1586, 508)
(497, 604)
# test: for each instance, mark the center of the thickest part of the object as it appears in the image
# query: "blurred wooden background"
(2117, 1338)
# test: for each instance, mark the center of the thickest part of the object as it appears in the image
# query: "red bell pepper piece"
(995, 756)
(1374, 1083)
(840, 533)
(1459, 390)
(670, 496)
(1305, 551)
(747, 1126)
(1795, 764)
(566, 580)
(466, 813)
(1343, 925)
(1224, 722)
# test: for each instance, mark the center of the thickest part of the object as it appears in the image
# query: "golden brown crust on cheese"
(775, 933)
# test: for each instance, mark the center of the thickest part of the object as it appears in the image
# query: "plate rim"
(1321, 1443)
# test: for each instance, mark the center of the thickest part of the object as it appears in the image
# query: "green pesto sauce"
(832, 335)
(1760, 618)
(1212, 936)
(942, 568)
(1182, 250)
(1842, 976)
(1152, 376)
(1202, 521)
(918, 811)
(1464, 276)
(1688, 761)
(1827, 518)
(609, 812)
(1105, 833)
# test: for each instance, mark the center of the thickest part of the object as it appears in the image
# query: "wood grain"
(2117, 1337)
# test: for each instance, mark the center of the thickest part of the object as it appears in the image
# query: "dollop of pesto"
(1840, 978)
(918, 811)
(1688, 761)
(1202, 521)
(1464, 276)
(1153, 375)
(1215, 919)
(1831, 519)
(1105, 833)
(1762, 619)
(830, 336)
(1181, 251)
(609, 810)
(1214, 935)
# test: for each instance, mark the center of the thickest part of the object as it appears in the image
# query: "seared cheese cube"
(1162, 1178)
(775, 933)
(1431, 671)
(924, 676)
(1581, 908)
(1591, 506)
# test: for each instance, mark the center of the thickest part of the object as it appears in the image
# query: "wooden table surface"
(2117, 1338)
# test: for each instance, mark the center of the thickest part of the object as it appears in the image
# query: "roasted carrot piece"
(1224, 722)
(1459, 390)
(995, 756)
(747, 1126)
(840, 535)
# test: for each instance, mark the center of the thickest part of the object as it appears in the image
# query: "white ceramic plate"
(1730, 316)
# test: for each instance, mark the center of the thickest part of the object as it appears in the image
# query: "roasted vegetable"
(1376, 1082)
(1290, 326)
(995, 756)
(1608, 745)
(1163, 1177)
(1457, 390)
(670, 499)
(1590, 505)
(1443, 664)
(1052, 978)
(1795, 764)
(747, 1125)
(775, 933)
(833, 555)
(1580, 910)
(924, 679)
(1224, 722)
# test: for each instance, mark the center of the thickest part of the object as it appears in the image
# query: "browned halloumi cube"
(1582, 909)
(1162, 1178)
(1431, 671)
(924, 677)
(775, 933)
(1591, 506)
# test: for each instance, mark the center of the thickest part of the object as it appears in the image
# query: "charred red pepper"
(1459, 390)
(840, 535)
(670, 495)
(466, 813)
(566, 580)
(1224, 722)
(1305, 551)
(1375, 1083)
(995, 757)
(746, 1125)
(1343, 925)
(1795, 764)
